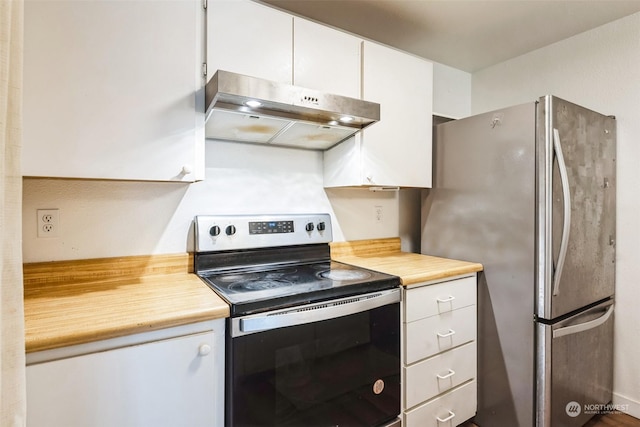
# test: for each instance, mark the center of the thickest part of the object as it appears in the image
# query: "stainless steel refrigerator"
(529, 191)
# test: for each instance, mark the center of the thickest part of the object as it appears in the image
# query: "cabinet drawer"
(435, 334)
(450, 409)
(440, 373)
(430, 300)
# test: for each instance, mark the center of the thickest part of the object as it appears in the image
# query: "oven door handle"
(315, 312)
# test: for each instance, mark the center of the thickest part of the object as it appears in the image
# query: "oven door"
(335, 363)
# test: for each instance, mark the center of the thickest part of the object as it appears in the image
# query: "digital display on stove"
(270, 227)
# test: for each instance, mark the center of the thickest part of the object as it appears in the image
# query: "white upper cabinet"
(248, 38)
(252, 39)
(396, 151)
(110, 90)
(326, 59)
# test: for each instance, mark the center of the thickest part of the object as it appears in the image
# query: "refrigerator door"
(575, 367)
(481, 208)
(576, 207)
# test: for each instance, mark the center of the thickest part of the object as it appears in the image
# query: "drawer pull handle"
(444, 420)
(448, 334)
(449, 375)
(449, 299)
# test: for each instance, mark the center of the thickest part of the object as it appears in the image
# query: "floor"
(607, 420)
(610, 420)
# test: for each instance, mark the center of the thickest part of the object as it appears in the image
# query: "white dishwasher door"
(164, 383)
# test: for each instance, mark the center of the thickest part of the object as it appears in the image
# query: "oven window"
(343, 371)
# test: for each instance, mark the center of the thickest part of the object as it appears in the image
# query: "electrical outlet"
(378, 214)
(48, 222)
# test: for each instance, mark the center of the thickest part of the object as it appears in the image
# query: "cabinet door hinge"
(204, 69)
(204, 4)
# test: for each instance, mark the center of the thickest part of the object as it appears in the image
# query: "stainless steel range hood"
(248, 109)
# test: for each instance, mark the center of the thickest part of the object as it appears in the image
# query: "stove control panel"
(231, 232)
(270, 227)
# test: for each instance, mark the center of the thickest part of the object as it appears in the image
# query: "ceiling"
(465, 34)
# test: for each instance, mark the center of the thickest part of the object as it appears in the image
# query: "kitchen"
(158, 215)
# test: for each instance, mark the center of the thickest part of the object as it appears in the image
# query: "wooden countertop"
(74, 302)
(385, 255)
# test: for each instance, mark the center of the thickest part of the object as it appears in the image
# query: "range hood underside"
(261, 129)
(287, 115)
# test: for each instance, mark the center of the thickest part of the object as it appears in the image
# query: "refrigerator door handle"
(574, 329)
(566, 224)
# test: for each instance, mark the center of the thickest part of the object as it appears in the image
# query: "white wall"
(119, 218)
(599, 69)
(451, 92)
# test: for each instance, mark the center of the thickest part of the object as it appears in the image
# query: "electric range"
(309, 341)
(259, 263)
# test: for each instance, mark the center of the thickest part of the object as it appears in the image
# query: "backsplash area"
(119, 218)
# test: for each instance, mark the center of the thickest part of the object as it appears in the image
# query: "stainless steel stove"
(233, 258)
(298, 318)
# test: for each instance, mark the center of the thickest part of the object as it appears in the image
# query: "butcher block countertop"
(385, 255)
(75, 302)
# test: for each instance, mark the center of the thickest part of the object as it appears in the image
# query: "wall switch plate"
(48, 222)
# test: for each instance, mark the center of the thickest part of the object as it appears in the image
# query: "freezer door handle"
(566, 224)
(574, 329)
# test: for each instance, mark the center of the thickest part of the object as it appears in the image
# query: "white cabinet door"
(167, 383)
(450, 409)
(431, 300)
(439, 352)
(435, 334)
(249, 38)
(440, 373)
(110, 90)
(397, 150)
(326, 59)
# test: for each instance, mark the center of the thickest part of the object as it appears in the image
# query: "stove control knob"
(214, 231)
(321, 226)
(230, 230)
(309, 227)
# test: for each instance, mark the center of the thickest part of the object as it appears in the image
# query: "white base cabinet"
(439, 374)
(439, 353)
(450, 409)
(175, 379)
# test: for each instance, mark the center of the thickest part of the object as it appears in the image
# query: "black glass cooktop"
(255, 289)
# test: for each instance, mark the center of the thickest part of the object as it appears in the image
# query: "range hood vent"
(247, 109)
